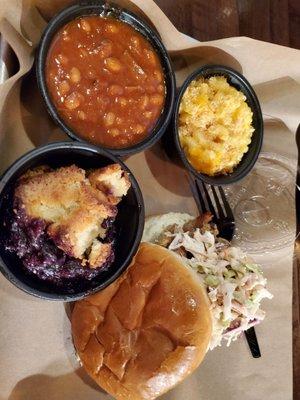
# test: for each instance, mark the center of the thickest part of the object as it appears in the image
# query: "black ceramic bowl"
(129, 222)
(142, 27)
(238, 81)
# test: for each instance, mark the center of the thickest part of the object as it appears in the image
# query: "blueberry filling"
(28, 239)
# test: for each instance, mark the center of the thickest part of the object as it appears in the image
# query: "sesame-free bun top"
(156, 224)
(147, 331)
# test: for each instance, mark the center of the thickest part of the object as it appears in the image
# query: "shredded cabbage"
(235, 285)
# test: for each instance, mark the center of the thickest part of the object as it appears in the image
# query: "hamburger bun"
(148, 330)
(156, 224)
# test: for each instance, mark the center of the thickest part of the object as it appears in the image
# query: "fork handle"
(252, 342)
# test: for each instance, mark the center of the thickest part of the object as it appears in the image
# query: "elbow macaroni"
(215, 125)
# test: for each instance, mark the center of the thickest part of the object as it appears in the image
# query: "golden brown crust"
(147, 331)
(100, 253)
(51, 195)
(112, 181)
(75, 233)
(72, 207)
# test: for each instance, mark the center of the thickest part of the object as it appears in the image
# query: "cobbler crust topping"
(62, 222)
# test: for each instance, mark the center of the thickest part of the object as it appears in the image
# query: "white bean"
(157, 99)
(75, 75)
(111, 28)
(85, 25)
(114, 132)
(72, 101)
(81, 115)
(115, 90)
(63, 87)
(109, 118)
(113, 64)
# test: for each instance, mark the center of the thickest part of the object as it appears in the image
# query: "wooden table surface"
(276, 21)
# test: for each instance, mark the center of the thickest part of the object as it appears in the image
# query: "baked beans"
(105, 80)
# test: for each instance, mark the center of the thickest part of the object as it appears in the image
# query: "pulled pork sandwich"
(234, 283)
(184, 293)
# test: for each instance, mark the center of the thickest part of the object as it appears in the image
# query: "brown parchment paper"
(37, 359)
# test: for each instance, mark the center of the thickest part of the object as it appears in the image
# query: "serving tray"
(37, 358)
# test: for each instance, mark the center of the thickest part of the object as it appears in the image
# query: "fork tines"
(217, 204)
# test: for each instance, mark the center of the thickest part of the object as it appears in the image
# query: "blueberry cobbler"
(61, 224)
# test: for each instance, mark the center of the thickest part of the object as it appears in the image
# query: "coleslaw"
(235, 284)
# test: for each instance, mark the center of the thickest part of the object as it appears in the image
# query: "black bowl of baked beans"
(106, 77)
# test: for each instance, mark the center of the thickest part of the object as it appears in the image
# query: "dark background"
(276, 21)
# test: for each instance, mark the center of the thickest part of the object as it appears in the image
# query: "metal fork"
(224, 219)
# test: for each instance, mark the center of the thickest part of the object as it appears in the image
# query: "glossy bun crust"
(147, 331)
